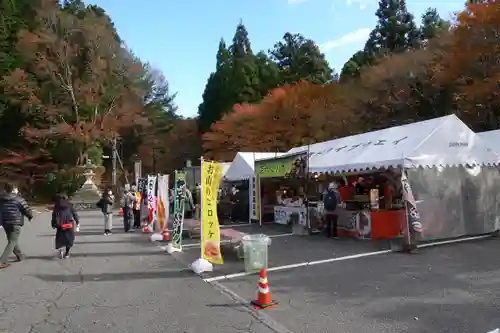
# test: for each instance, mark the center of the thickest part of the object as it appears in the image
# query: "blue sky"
(180, 37)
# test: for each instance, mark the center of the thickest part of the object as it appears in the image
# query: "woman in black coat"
(64, 220)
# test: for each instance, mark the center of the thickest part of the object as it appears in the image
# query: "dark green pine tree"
(244, 82)
(216, 99)
(432, 24)
(354, 64)
(241, 42)
(299, 58)
(268, 73)
(395, 31)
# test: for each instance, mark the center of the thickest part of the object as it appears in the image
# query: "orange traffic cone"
(166, 235)
(264, 299)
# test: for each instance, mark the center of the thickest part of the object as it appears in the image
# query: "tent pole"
(250, 195)
(201, 203)
(407, 226)
(259, 198)
(306, 187)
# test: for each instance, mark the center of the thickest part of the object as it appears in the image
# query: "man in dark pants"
(331, 199)
(13, 209)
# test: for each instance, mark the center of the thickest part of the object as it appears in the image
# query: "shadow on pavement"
(99, 232)
(102, 255)
(81, 278)
(107, 241)
(227, 305)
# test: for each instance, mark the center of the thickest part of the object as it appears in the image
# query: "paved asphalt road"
(447, 289)
(119, 283)
(123, 283)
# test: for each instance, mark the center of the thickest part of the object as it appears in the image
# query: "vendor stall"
(284, 184)
(443, 181)
(241, 173)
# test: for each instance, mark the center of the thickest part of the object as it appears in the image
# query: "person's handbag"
(67, 226)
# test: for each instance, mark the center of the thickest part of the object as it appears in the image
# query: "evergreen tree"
(432, 23)
(268, 73)
(354, 64)
(241, 43)
(395, 31)
(299, 58)
(216, 99)
(244, 81)
(240, 77)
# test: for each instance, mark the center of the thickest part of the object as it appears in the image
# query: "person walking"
(64, 220)
(106, 205)
(129, 200)
(13, 209)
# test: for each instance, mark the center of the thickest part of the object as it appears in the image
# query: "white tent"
(243, 164)
(444, 141)
(491, 138)
(225, 167)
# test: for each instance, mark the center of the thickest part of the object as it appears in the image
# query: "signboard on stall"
(283, 215)
(290, 166)
(354, 223)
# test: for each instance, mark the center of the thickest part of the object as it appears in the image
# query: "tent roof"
(225, 167)
(441, 141)
(243, 164)
(491, 138)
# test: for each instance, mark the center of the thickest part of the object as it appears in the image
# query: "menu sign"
(290, 166)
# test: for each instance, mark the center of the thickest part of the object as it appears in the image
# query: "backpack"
(330, 200)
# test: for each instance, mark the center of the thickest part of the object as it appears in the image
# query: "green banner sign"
(179, 202)
(290, 166)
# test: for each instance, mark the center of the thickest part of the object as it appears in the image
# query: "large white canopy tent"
(444, 141)
(492, 139)
(243, 165)
(453, 202)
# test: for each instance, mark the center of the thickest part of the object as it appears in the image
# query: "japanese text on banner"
(179, 202)
(211, 174)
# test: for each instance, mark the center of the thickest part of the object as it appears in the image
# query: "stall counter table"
(366, 224)
(387, 224)
(283, 214)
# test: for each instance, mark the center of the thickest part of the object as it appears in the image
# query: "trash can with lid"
(255, 248)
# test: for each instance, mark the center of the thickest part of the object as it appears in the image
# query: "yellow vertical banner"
(211, 175)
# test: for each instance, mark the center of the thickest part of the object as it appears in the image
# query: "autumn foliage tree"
(74, 84)
(70, 87)
(180, 144)
(472, 65)
(290, 116)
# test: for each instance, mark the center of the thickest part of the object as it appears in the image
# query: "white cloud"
(361, 3)
(352, 37)
(295, 2)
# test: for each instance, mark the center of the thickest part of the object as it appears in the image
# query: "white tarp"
(243, 164)
(491, 139)
(441, 141)
(225, 167)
